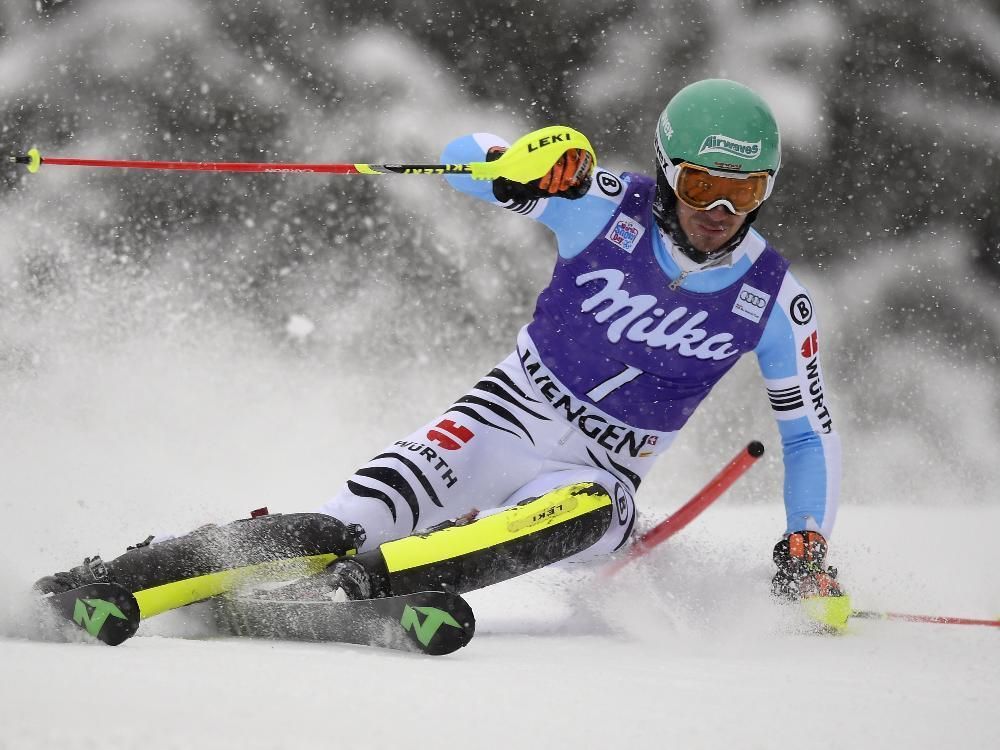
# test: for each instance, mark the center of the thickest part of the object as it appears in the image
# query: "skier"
(660, 285)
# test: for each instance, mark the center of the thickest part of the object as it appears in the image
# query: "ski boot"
(344, 579)
(215, 559)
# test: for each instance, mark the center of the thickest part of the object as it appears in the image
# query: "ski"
(429, 622)
(105, 611)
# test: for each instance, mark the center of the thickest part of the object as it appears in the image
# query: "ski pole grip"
(532, 155)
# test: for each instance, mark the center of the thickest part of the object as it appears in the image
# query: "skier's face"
(709, 230)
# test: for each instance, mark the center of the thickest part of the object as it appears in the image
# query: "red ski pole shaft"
(933, 619)
(35, 160)
(691, 509)
(200, 166)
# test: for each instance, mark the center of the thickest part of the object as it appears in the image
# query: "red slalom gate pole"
(691, 509)
(933, 619)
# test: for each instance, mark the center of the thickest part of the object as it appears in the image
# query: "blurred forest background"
(886, 201)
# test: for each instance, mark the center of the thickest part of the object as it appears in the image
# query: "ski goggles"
(702, 188)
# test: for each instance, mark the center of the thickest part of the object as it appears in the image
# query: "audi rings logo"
(751, 303)
(753, 299)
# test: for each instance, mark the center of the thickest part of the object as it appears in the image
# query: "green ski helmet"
(719, 125)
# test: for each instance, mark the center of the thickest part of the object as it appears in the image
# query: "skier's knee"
(381, 520)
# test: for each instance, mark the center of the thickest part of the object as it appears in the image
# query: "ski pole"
(691, 509)
(934, 619)
(529, 158)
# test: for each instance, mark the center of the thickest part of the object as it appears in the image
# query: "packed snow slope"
(105, 442)
(686, 653)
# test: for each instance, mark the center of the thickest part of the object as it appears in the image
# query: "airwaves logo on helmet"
(720, 144)
(665, 125)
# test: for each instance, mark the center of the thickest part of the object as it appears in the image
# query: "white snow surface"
(105, 442)
(686, 653)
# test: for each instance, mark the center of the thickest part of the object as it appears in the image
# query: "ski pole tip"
(33, 160)
(755, 448)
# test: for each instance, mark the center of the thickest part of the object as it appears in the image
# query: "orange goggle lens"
(700, 188)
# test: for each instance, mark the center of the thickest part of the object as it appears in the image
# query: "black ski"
(106, 611)
(429, 622)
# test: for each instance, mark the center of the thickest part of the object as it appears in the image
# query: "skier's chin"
(709, 241)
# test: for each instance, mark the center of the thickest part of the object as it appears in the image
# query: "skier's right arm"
(575, 222)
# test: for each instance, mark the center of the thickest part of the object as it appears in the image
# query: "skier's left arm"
(788, 355)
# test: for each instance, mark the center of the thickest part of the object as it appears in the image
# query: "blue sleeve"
(575, 223)
(788, 355)
(469, 148)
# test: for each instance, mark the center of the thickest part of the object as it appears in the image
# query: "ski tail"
(417, 581)
(105, 611)
(428, 622)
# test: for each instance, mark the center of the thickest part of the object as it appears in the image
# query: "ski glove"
(801, 573)
(568, 178)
